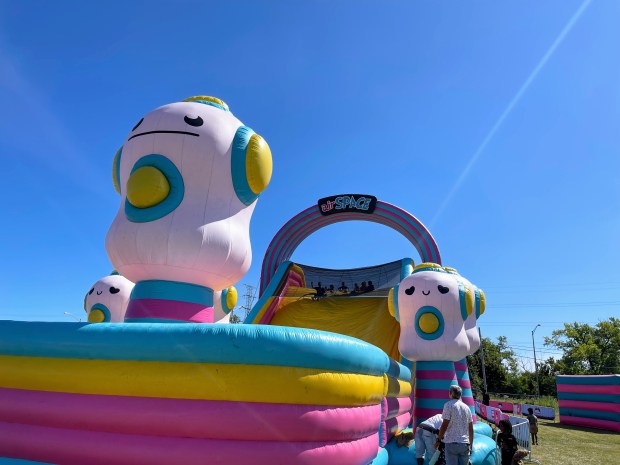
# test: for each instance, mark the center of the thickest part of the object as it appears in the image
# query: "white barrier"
(548, 413)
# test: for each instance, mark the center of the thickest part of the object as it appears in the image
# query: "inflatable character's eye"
(443, 289)
(197, 121)
(410, 291)
(114, 290)
(91, 291)
(137, 124)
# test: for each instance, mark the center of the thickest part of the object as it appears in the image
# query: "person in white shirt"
(425, 437)
(457, 429)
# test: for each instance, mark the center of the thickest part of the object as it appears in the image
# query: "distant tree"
(546, 377)
(500, 364)
(234, 319)
(592, 350)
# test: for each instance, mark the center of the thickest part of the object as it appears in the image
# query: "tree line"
(585, 350)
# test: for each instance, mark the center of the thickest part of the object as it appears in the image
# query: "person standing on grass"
(533, 419)
(457, 429)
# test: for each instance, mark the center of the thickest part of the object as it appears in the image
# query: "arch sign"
(357, 203)
(339, 208)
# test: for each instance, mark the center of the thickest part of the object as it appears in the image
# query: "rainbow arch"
(310, 220)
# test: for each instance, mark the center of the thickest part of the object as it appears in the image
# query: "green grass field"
(570, 445)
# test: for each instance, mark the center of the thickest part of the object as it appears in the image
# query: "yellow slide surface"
(365, 318)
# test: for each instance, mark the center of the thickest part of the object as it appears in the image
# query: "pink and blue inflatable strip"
(590, 423)
(589, 388)
(586, 405)
(188, 418)
(437, 377)
(590, 401)
(394, 406)
(168, 310)
(79, 447)
(595, 414)
(589, 379)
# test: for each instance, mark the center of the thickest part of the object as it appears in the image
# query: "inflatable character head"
(189, 175)
(107, 300)
(432, 306)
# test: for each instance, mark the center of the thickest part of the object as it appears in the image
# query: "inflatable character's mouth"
(165, 132)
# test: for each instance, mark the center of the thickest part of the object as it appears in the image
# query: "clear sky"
(495, 123)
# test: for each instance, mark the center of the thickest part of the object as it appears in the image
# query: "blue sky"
(495, 123)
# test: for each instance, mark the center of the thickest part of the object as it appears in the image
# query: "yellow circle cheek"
(147, 187)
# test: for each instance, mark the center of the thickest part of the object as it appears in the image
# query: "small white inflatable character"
(189, 175)
(107, 300)
(432, 306)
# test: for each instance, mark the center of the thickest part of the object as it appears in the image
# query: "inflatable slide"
(329, 367)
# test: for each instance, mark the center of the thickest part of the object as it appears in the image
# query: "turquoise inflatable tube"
(5, 461)
(193, 342)
(483, 429)
(382, 458)
(483, 452)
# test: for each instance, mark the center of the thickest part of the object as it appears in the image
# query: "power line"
(555, 286)
(559, 304)
(554, 352)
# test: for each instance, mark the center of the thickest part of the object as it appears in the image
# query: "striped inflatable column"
(591, 401)
(160, 301)
(432, 382)
(462, 377)
(396, 406)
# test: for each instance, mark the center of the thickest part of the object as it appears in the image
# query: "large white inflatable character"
(107, 299)
(189, 175)
(432, 306)
(437, 310)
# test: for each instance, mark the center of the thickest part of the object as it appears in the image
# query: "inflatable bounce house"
(590, 400)
(329, 366)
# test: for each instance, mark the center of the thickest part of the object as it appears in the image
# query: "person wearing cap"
(457, 430)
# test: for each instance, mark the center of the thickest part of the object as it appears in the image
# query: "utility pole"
(535, 363)
(484, 373)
